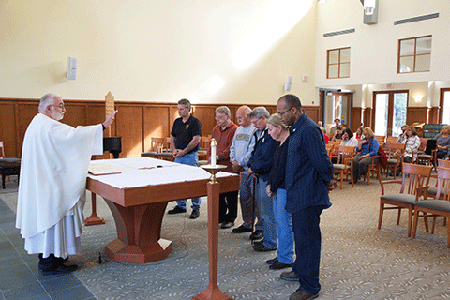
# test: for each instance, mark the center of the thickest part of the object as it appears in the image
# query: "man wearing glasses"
(55, 161)
(309, 177)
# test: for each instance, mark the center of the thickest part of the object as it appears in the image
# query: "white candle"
(213, 152)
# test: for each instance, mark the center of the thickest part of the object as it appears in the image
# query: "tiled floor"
(19, 277)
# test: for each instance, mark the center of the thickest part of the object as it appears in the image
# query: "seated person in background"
(403, 128)
(443, 142)
(367, 147)
(327, 139)
(412, 141)
(358, 133)
(337, 123)
(337, 134)
(348, 139)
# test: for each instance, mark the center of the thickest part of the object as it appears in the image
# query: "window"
(338, 63)
(414, 54)
(445, 106)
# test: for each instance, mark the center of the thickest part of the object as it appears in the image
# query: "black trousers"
(228, 206)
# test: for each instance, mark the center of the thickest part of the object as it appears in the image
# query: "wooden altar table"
(138, 197)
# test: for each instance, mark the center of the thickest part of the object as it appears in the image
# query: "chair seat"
(149, 153)
(401, 198)
(433, 190)
(202, 152)
(340, 166)
(423, 156)
(441, 205)
(392, 161)
(9, 160)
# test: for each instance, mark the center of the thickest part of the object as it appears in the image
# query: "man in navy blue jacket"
(309, 177)
(260, 165)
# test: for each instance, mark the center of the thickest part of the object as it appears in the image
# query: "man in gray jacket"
(241, 151)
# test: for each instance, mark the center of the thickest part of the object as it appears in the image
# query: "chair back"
(2, 153)
(391, 139)
(443, 186)
(329, 147)
(345, 152)
(444, 163)
(394, 150)
(205, 143)
(155, 143)
(418, 176)
(380, 138)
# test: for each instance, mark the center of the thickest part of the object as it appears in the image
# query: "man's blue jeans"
(191, 160)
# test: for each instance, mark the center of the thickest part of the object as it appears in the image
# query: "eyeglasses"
(59, 105)
(283, 112)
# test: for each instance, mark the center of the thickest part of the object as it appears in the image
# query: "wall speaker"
(288, 83)
(72, 66)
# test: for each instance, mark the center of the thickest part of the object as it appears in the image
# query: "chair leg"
(416, 217)
(399, 210)
(380, 218)
(410, 215)
(448, 237)
(341, 174)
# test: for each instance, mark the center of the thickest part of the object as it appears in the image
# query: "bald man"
(240, 152)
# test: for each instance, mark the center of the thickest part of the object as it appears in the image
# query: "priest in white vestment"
(55, 161)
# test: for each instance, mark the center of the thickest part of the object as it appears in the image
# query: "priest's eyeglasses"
(59, 105)
(283, 112)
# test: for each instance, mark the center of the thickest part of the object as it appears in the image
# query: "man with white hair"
(55, 162)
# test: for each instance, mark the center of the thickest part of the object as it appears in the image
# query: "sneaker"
(241, 229)
(289, 276)
(257, 235)
(177, 210)
(226, 225)
(195, 214)
(279, 265)
(302, 295)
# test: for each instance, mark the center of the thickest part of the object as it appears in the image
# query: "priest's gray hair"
(258, 112)
(46, 101)
(223, 110)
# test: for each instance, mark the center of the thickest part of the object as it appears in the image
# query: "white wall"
(374, 47)
(234, 51)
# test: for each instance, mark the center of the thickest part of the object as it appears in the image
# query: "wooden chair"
(414, 179)
(345, 162)
(391, 139)
(422, 158)
(157, 143)
(2, 150)
(394, 154)
(440, 206)
(329, 147)
(374, 167)
(380, 138)
(432, 190)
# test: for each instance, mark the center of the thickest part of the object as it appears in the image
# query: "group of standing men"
(49, 206)
(249, 150)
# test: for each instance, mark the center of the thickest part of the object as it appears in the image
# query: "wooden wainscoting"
(433, 115)
(356, 117)
(136, 122)
(417, 114)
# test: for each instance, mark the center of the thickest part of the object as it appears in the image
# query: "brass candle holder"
(213, 170)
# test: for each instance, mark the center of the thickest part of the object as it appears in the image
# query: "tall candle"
(213, 152)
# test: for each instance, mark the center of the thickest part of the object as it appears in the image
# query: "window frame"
(339, 63)
(414, 55)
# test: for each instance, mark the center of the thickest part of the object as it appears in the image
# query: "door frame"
(441, 103)
(323, 95)
(390, 108)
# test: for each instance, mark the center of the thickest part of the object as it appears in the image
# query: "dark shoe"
(177, 210)
(302, 295)
(195, 214)
(241, 229)
(279, 265)
(226, 225)
(289, 276)
(262, 248)
(272, 261)
(62, 269)
(257, 235)
(354, 182)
